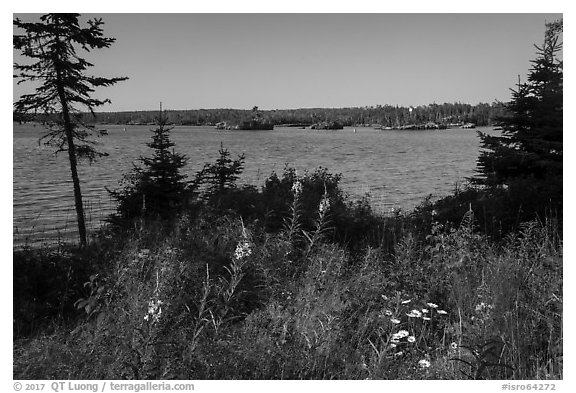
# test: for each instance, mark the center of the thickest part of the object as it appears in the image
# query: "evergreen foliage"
(482, 114)
(52, 45)
(220, 177)
(158, 188)
(530, 148)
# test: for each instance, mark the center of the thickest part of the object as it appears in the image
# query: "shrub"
(218, 293)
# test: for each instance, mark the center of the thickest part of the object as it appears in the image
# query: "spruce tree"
(529, 151)
(157, 188)
(64, 87)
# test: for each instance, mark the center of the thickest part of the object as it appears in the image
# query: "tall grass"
(293, 282)
(40, 232)
(213, 297)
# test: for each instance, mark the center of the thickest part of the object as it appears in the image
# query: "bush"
(47, 283)
(315, 288)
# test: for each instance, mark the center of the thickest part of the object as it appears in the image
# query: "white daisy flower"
(423, 363)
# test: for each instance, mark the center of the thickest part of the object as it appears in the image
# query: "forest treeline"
(386, 115)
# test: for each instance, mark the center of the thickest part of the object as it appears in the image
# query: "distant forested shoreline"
(385, 115)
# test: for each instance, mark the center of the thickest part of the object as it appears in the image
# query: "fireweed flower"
(324, 204)
(243, 249)
(423, 363)
(297, 187)
(154, 311)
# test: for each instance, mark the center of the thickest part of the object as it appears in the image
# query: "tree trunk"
(76, 182)
(68, 128)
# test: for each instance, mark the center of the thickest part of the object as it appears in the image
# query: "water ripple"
(398, 169)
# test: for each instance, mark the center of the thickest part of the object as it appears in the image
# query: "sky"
(288, 61)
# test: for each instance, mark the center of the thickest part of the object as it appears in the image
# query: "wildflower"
(324, 204)
(392, 345)
(425, 310)
(411, 339)
(454, 346)
(432, 305)
(406, 301)
(399, 353)
(297, 187)
(396, 337)
(402, 333)
(434, 213)
(243, 250)
(442, 312)
(423, 363)
(414, 314)
(388, 313)
(384, 297)
(154, 311)
(426, 318)
(394, 321)
(483, 307)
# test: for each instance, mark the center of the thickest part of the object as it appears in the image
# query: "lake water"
(397, 168)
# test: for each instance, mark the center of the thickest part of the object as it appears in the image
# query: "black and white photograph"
(216, 196)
